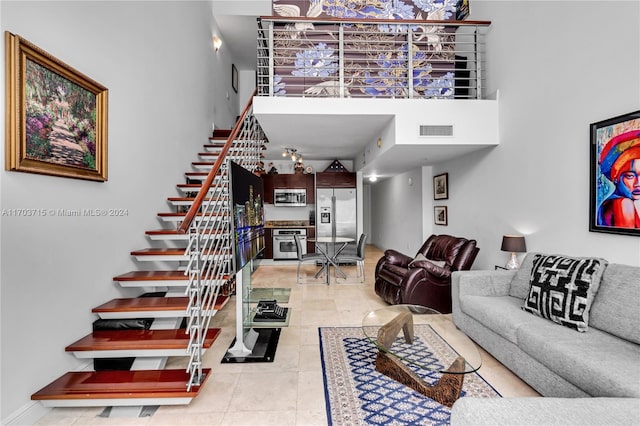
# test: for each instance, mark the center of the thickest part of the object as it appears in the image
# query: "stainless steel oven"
(284, 244)
(290, 197)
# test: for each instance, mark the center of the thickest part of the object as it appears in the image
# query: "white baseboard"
(33, 411)
(28, 414)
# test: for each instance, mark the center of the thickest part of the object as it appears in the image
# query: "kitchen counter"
(288, 224)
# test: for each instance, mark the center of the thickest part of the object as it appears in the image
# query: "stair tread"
(155, 276)
(159, 251)
(193, 199)
(192, 185)
(167, 251)
(144, 304)
(214, 144)
(152, 276)
(120, 384)
(177, 232)
(173, 214)
(104, 340)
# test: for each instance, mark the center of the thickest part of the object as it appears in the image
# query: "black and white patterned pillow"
(562, 289)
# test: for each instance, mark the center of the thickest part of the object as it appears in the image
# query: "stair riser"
(131, 353)
(108, 402)
(147, 314)
(185, 190)
(190, 202)
(179, 218)
(181, 237)
(153, 283)
(174, 258)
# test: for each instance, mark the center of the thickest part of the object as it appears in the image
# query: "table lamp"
(514, 244)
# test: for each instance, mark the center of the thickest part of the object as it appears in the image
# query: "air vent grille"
(436, 130)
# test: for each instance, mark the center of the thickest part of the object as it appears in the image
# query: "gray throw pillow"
(563, 288)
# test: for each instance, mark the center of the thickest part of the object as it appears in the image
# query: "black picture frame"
(440, 215)
(615, 147)
(441, 186)
(234, 78)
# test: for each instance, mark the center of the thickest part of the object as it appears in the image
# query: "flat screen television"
(247, 197)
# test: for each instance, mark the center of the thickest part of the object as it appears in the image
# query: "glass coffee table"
(447, 351)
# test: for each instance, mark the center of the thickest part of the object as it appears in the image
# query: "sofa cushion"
(535, 411)
(501, 314)
(597, 362)
(615, 308)
(563, 288)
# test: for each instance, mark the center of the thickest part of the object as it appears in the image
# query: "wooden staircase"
(164, 338)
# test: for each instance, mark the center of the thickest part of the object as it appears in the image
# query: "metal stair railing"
(211, 243)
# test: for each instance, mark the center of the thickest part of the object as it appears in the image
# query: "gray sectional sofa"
(557, 361)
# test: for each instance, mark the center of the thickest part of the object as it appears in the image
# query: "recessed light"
(373, 178)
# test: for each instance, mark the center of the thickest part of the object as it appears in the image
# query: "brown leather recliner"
(424, 283)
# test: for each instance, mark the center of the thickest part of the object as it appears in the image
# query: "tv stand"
(255, 341)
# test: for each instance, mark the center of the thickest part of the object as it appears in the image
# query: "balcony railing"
(371, 58)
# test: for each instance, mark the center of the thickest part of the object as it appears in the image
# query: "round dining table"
(331, 259)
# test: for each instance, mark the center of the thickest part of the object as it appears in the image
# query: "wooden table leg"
(446, 390)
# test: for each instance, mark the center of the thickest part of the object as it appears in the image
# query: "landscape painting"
(57, 120)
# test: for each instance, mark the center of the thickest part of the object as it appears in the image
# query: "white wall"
(396, 212)
(157, 61)
(226, 106)
(559, 66)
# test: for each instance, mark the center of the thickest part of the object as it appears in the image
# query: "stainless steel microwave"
(290, 197)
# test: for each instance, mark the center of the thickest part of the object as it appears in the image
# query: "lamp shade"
(513, 243)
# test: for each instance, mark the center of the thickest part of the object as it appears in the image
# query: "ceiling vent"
(434, 130)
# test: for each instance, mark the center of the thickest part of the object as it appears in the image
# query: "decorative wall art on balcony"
(377, 59)
(615, 175)
(56, 116)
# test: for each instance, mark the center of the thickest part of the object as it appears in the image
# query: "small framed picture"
(234, 78)
(440, 215)
(441, 187)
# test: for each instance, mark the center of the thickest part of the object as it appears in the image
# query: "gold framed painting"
(56, 117)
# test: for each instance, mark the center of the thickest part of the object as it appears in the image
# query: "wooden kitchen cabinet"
(311, 233)
(335, 180)
(289, 181)
(268, 243)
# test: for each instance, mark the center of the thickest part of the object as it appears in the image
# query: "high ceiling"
(342, 136)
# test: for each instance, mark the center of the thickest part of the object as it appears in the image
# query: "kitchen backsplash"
(272, 212)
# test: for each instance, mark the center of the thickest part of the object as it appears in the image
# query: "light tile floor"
(288, 391)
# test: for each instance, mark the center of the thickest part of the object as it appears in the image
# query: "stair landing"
(121, 388)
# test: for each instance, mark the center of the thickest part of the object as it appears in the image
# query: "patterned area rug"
(356, 394)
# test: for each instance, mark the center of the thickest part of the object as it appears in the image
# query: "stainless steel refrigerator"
(336, 216)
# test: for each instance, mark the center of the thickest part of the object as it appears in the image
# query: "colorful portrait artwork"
(616, 175)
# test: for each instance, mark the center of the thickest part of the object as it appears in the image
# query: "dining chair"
(306, 257)
(358, 258)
